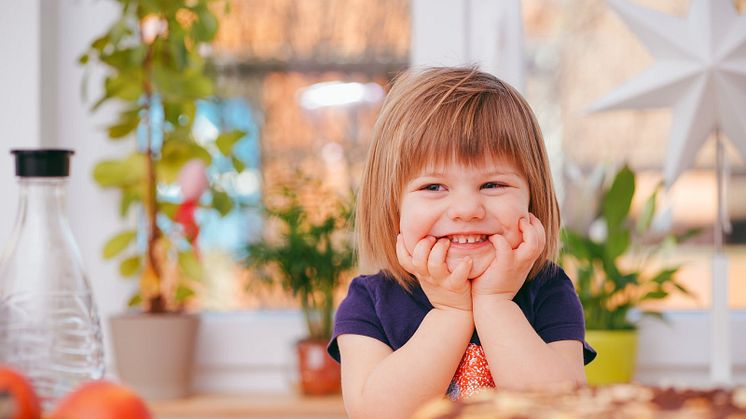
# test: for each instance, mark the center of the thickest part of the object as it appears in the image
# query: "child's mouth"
(467, 238)
(467, 241)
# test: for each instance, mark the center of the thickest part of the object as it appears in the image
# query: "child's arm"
(380, 383)
(517, 355)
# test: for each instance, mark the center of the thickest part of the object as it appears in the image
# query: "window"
(311, 78)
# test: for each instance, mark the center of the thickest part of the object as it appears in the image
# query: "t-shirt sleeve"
(356, 315)
(559, 314)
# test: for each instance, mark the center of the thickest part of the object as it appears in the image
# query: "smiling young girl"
(458, 216)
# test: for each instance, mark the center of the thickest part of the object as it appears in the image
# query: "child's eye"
(433, 187)
(493, 185)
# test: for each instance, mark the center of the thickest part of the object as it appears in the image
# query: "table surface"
(275, 406)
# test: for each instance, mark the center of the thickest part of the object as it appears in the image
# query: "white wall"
(252, 351)
(488, 33)
(93, 212)
(20, 99)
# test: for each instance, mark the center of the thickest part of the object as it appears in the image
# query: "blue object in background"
(244, 222)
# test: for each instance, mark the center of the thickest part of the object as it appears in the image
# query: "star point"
(700, 71)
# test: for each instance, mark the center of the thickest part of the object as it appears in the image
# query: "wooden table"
(274, 406)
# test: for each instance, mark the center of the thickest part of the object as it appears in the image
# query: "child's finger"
(532, 240)
(436, 263)
(405, 259)
(460, 274)
(502, 247)
(540, 231)
(420, 254)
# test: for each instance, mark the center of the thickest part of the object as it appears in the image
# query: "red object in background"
(21, 392)
(319, 373)
(101, 400)
(185, 217)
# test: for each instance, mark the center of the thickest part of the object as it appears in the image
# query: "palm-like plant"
(309, 257)
(607, 290)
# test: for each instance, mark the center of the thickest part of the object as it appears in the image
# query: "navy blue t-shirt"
(378, 307)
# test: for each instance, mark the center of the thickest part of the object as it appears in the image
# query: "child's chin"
(479, 266)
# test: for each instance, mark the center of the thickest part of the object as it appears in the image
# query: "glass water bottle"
(49, 326)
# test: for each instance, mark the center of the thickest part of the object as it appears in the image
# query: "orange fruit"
(101, 400)
(24, 400)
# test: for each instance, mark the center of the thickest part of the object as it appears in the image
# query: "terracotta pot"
(319, 373)
(154, 353)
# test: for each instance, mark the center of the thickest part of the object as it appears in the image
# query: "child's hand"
(508, 271)
(427, 262)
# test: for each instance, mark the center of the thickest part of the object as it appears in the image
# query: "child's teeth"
(467, 239)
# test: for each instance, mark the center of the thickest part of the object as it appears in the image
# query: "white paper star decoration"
(700, 70)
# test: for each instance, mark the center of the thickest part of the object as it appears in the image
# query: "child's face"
(466, 205)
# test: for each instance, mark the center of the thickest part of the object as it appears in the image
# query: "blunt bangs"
(462, 130)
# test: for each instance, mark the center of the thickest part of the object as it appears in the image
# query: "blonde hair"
(441, 115)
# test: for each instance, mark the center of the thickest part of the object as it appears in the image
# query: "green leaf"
(125, 86)
(178, 86)
(617, 243)
(221, 202)
(190, 266)
(648, 211)
(684, 290)
(130, 266)
(238, 164)
(688, 234)
(575, 244)
(654, 295)
(227, 140)
(135, 300)
(123, 128)
(665, 275)
(206, 26)
(118, 173)
(130, 195)
(172, 112)
(83, 59)
(621, 281)
(169, 209)
(118, 243)
(127, 60)
(100, 43)
(183, 293)
(618, 198)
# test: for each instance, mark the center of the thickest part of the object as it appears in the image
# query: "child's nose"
(466, 209)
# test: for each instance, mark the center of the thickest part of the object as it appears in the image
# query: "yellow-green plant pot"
(617, 355)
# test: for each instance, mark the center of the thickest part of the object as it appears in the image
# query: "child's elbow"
(581, 380)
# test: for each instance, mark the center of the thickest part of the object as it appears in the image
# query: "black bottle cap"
(42, 162)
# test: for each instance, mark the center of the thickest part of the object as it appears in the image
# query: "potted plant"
(156, 74)
(613, 272)
(308, 256)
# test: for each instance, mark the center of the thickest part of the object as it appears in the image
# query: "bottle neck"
(42, 199)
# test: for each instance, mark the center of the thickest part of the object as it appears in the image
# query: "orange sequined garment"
(473, 374)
